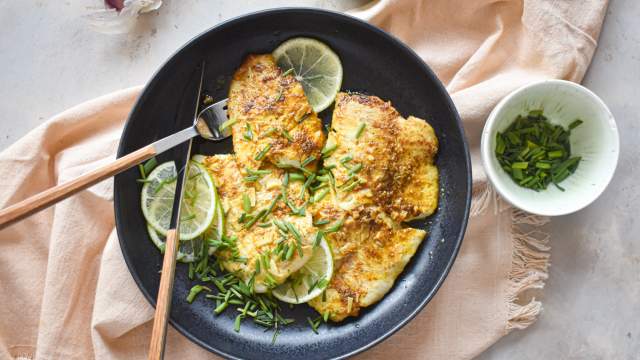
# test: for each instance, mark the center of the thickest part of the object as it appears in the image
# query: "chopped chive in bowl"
(536, 153)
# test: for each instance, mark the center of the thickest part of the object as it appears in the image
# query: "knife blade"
(165, 290)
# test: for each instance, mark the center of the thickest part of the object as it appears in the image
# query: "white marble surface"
(50, 60)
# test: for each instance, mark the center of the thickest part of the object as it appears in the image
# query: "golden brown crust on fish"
(370, 251)
(274, 109)
(396, 157)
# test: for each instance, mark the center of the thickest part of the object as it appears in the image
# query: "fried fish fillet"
(273, 121)
(384, 175)
(369, 251)
(259, 241)
(380, 158)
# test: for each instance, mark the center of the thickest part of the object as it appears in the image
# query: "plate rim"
(426, 69)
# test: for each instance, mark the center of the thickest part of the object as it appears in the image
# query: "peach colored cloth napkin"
(67, 294)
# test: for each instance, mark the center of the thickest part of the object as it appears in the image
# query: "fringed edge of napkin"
(530, 256)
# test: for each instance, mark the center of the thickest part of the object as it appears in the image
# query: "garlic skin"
(113, 21)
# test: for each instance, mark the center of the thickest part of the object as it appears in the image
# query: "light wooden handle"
(51, 196)
(163, 305)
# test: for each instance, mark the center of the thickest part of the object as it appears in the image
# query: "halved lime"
(315, 65)
(311, 280)
(198, 204)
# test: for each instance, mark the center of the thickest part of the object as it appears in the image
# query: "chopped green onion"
(255, 219)
(306, 184)
(318, 238)
(575, 124)
(272, 205)
(246, 203)
(307, 161)
(248, 135)
(355, 169)
(236, 326)
(536, 153)
(258, 172)
(289, 253)
(304, 117)
(226, 124)
(360, 130)
(320, 195)
(328, 149)
(296, 177)
(259, 156)
(195, 290)
(280, 225)
(286, 134)
(346, 158)
(147, 167)
(335, 227)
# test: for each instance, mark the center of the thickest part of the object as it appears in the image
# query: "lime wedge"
(311, 280)
(198, 204)
(315, 66)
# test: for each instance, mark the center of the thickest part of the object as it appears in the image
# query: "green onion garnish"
(304, 117)
(575, 124)
(307, 161)
(147, 167)
(248, 135)
(306, 185)
(296, 177)
(289, 253)
(258, 172)
(360, 130)
(226, 124)
(328, 149)
(246, 203)
(197, 289)
(535, 152)
(286, 134)
(355, 169)
(280, 225)
(259, 156)
(320, 195)
(318, 238)
(256, 218)
(236, 326)
(335, 227)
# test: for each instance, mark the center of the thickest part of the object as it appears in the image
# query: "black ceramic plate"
(375, 63)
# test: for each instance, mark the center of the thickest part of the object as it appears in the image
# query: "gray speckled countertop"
(50, 61)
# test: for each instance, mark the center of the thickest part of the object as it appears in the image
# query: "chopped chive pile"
(536, 153)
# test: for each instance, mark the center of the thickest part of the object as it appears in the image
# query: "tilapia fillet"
(384, 174)
(256, 243)
(370, 251)
(395, 158)
(273, 121)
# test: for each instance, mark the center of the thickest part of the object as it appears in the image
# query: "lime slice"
(199, 158)
(315, 66)
(311, 280)
(186, 250)
(198, 204)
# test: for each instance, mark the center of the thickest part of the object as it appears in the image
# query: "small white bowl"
(596, 141)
